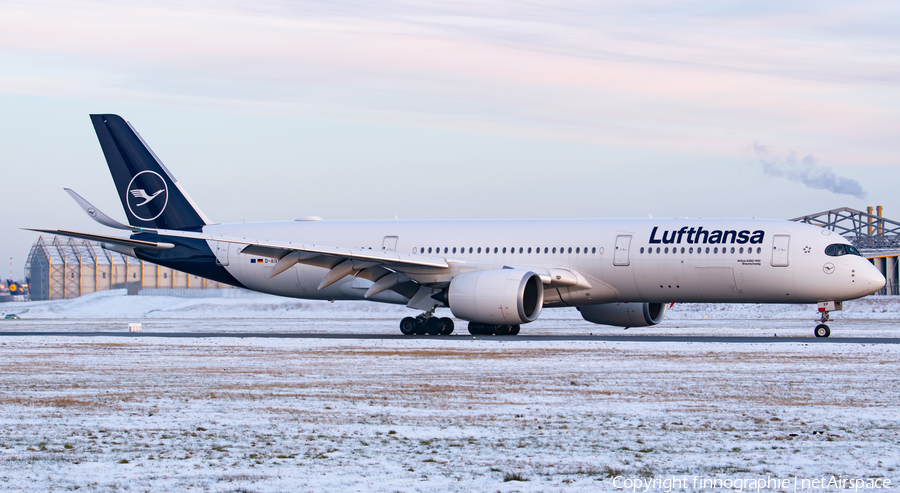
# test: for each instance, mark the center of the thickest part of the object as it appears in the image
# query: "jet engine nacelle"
(496, 297)
(624, 314)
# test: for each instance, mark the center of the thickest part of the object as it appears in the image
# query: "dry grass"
(64, 402)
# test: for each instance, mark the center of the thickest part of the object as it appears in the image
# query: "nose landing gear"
(825, 308)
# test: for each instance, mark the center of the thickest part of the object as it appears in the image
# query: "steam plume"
(807, 171)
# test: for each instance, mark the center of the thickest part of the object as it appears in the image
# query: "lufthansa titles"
(702, 236)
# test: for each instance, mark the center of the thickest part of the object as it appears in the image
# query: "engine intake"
(624, 314)
(498, 297)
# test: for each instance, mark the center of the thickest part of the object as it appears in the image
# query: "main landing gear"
(426, 323)
(477, 329)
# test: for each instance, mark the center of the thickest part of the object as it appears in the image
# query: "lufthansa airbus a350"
(495, 274)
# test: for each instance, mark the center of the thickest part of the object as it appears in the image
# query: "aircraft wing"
(278, 249)
(386, 269)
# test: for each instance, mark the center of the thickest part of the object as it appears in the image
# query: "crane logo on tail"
(142, 194)
(147, 206)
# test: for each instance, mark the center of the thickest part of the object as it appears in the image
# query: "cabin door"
(780, 250)
(389, 244)
(620, 256)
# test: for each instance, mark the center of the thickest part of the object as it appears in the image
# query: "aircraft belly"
(299, 281)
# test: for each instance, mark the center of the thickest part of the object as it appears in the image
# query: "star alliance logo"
(144, 206)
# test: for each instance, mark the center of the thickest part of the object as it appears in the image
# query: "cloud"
(807, 171)
(642, 75)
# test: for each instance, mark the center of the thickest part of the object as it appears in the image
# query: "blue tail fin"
(150, 194)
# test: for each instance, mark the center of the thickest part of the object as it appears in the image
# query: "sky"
(274, 110)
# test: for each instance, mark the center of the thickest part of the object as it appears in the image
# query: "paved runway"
(545, 338)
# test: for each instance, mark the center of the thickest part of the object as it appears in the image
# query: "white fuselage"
(649, 260)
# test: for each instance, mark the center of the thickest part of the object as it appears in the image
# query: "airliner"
(497, 275)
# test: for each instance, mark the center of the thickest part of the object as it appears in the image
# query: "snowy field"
(420, 414)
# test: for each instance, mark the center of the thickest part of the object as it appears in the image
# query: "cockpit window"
(839, 249)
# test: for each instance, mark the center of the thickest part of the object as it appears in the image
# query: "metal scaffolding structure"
(875, 236)
(868, 232)
(61, 268)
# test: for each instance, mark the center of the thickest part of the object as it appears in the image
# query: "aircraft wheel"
(502, 330)
(408, 326)
(822, 330)
(448, 326)
(477, 329)
(420, 327)
(514, 330)
(433, 326)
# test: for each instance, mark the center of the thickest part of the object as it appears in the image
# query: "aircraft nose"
(873, 280)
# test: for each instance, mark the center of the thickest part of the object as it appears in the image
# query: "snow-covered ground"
(422, 414)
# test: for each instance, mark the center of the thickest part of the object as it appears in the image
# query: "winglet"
(96, 214)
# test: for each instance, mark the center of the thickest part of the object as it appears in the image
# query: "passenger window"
(594, 250)
(707, 249)
(446, 250)
(545, 249)
(479, 249)
(504, 249)
(570, 249)
(415, 250)
(732, 249)
(758, 249)
(522, 249)
(682, 249)
(429, 249)
(666, 250)
(691, 250)
(454, 249)
(554, 249)
(642, 249)
(578, 250)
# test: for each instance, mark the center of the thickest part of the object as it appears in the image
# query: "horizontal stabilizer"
(96, 214)
(106, 239)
